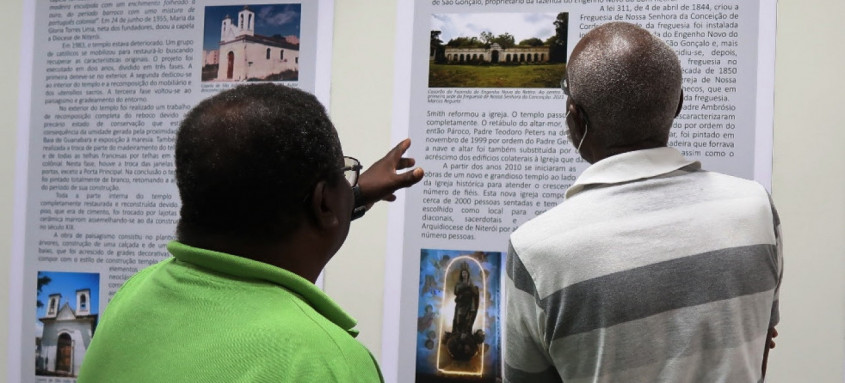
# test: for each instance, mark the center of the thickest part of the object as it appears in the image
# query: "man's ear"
(680, 104)
(578, 118)
(323, 207)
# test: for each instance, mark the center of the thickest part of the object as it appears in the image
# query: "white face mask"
(578, 148)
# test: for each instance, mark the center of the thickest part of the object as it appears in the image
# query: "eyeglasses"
(351, 170)
(564, 85)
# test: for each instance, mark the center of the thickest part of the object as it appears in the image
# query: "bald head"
(628, 82)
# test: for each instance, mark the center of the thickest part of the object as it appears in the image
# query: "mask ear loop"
(586, 127)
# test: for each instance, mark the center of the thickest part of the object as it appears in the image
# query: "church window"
(281, 54)
(268, 53)
(83, 302)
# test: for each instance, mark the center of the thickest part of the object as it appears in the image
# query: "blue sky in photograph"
(272, 19)
(66, 284)
(521, 25)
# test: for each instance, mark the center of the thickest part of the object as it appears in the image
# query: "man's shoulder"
(727, 180)
(597, 212)
(555, 222)
(319, 348)
(273, 332)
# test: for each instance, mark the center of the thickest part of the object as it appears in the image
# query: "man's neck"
(602, 153)
(298, 256)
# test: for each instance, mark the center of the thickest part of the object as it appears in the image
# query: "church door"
(230, 71)
(64, 354)
(495, 57)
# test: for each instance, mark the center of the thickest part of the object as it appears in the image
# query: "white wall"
(809, 190)
(361, 104)
(808, 182)
(10, 28)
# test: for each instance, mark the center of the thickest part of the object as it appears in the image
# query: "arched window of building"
(268, 53)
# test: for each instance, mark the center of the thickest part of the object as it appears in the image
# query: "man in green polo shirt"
(267, 198)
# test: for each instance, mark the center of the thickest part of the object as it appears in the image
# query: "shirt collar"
(247, 268)
(630, 166)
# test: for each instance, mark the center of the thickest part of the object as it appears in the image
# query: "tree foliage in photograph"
(465, 42)
(436, 48)
(505, 40)
(487, 37)
(532, 42)
(43, 280)
(557, 43)
(485, 40)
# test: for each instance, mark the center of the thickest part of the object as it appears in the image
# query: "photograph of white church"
(67, 309)
(251, 43)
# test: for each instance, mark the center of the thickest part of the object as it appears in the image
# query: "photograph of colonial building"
(496, 54)
(498, 50)
(66, 313)
(251, 43)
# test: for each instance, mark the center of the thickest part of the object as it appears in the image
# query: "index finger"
(399, 150)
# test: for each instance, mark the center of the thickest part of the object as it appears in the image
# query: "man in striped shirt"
(652, 270)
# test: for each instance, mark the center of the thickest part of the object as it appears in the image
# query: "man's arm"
(770, 344)
(775, 316)
(382, 179)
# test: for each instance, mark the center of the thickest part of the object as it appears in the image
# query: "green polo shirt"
(205, 316)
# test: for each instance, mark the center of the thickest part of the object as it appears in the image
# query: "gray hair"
(628, 82)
